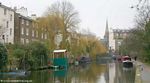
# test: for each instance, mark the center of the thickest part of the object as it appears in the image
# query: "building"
(22, 29)
(6, 24)
(111, 44)
(27, 30)
(17, 27)
(113, 38)
(119, 35)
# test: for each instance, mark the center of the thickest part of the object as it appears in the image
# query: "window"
(27, 31)
(121, 35)
(10, 17)
(7, 24)
(22, 30)
(5, 11)
(125, 34)
(36, 33)
(7, 39)
(117, 35)
(32, 33)
(42, 36)
(3, 37)
(27, 40)
(33, 25)
(10, 31)
(27, 23)
(22, 21)
(22, 40)
(45, 36)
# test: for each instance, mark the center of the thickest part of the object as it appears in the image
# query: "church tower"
(106, 36)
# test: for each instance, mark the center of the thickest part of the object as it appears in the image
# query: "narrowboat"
(127, 62)
(60, 59)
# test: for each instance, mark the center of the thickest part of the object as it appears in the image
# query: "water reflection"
(124, 75)
(112, 72)
(84, 73)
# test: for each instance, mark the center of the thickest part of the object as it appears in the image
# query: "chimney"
(23, 11)
(33, 16)
(15, 8)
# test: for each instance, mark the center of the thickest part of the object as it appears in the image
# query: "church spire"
(106, 36)
(106, 30)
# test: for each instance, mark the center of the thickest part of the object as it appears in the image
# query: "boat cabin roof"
(60, 51)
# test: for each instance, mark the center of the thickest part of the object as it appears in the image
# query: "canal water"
(94, 72)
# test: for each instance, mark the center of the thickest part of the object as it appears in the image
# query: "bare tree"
(66, 17)
(141, 4)
(139, 36)
(67, 13)
(143, 17)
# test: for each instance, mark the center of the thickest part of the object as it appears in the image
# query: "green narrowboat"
(60, 59)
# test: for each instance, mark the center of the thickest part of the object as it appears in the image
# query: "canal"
(95, 72)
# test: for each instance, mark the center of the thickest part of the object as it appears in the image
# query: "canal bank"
(138, 73)
(142, 73)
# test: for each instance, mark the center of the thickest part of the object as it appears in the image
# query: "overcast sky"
(93, 13)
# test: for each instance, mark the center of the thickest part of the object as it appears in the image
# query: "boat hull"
(127, 64)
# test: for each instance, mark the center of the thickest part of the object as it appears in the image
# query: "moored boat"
(127, 62)
(60, 59)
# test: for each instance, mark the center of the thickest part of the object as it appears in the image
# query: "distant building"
(113, 38)
(6, 24)
(112, 45)
(119, 35)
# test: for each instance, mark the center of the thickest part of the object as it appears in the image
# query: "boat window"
(58, 55)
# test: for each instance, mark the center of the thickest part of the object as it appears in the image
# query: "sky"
(92, 13)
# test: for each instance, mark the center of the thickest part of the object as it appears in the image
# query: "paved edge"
(138, 78)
